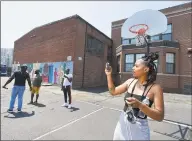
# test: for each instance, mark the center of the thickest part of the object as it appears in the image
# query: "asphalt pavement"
(94, 116)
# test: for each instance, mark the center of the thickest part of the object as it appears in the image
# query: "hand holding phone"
(108, 69)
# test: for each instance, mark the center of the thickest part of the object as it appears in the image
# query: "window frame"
(128, 62)
(174, 61)
(92, 49)
(134, 60)
(167, 34)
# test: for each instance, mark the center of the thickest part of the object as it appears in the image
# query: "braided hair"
(149, 62)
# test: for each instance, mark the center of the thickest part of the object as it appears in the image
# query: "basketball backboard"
(153, 21)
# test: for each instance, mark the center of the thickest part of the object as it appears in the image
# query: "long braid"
(152, 74)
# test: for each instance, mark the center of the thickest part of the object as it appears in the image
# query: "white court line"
(99, 105)
(68, 124)
(167, 121)
(175, 123)
(4, 107)
(87, 102)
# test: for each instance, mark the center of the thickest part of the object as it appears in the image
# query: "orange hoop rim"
(145, 28)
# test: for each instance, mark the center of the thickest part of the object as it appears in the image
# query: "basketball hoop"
(139, 30)
(143, 24)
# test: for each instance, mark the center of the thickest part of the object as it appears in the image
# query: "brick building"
(174, 65)
(71, 40)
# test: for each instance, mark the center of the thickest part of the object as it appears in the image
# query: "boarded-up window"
(94, 46)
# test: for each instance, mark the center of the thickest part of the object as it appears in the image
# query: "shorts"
(35, 90)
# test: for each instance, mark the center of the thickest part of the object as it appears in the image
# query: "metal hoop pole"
(147, 44)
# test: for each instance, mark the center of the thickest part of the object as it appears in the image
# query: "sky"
(19, 17)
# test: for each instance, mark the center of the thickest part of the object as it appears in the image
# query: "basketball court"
(93, 117)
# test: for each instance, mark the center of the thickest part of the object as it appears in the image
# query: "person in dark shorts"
(36, 86)
(19, 87)
(66, 87)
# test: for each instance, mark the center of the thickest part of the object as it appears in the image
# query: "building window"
(167, 35)
(125, 41)
(170, 63)
(139, 56)
(94, 46)
(133, 41)
(169, 29)
(129, 61)
(155, 38)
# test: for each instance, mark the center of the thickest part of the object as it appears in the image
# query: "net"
(139, 30)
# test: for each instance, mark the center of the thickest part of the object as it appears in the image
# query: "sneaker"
(64, 105)
(19, 111)
(69, 106)
(10, 111)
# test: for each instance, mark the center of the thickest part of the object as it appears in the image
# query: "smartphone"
(128, 101)
(107, 66)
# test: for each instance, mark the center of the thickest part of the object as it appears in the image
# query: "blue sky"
(18, 18)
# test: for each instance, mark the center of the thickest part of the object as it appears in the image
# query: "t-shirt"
(37, 81)
(20, 78)
(66, 81)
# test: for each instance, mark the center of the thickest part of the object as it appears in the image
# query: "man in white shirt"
(66, 87)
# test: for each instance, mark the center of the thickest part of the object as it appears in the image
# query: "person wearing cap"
(19, 87)
(66, 87)
(36, 86)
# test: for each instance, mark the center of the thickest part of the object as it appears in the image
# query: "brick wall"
(55, 41)
(94, 74)
(79, 52)
(52, 43)
(182, 33)
(180, 16)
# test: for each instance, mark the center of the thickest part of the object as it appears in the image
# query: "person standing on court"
(66, 87)
(141, 93)
(36, 86)
(19, 87)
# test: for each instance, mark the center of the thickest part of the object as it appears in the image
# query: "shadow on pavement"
(96, 90)
(20, 114)
(185, 134)
(73, 109)
(39, 104)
